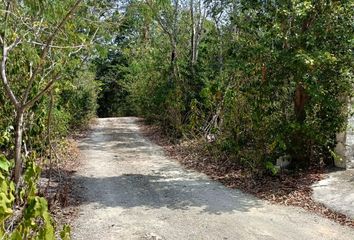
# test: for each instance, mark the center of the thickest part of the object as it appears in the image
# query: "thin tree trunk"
(174, 67)
(220, 51)
(300, 100)
(197, 18)
(18, 144)
(193, 33)
(49, 122)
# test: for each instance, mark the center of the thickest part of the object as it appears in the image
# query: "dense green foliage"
(265, 79)
(36, 222)
(258, 79)
(47, 79)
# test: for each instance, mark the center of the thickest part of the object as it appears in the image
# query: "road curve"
(131, 190)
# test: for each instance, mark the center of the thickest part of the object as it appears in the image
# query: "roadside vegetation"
(48, 89)
(251, 81)
(258, 80)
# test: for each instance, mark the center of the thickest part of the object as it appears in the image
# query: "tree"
(37, 46)
(198, 14)
(45, 47)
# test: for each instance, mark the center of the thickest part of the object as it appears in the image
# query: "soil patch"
(56, 183)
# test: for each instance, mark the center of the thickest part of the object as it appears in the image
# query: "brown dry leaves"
(58, 193)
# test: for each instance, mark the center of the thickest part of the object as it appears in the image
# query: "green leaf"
(270, 166)
(65, 233)
(4, 164)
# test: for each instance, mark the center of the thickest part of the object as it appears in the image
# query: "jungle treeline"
(257, 80)
(260, 80)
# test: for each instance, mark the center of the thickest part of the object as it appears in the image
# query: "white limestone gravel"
(131, 190)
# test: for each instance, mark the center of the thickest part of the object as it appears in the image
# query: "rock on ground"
(337, 192)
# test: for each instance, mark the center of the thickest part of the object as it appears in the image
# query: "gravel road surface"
(131, 190)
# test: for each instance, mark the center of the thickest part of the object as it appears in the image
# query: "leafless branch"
(5, 82)
(48, 71)
(58, 47)
(14, 44)
(39, 28)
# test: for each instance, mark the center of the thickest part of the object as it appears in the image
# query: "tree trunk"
(220, 51)
(49, 122)
(197, 20)
(174, 62)
(300, 100)
(301, 144)
(18, 145)
(193, 34)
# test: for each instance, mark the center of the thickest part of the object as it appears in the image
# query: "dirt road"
(131, 190)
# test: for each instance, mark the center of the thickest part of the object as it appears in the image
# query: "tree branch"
(14, 44)
(5, 49)
(41, 93)
(5, 82)
(58, 47)
(47, 47)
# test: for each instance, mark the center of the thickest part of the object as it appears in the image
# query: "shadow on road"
(157, 181)
(153, 191)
